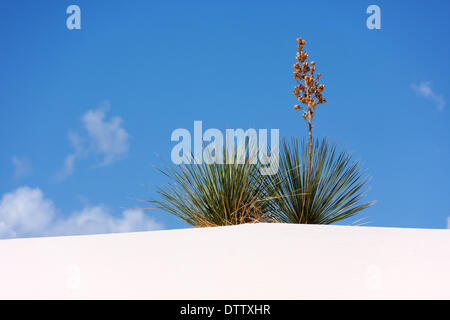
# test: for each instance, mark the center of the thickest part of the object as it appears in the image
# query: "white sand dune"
(259, 261)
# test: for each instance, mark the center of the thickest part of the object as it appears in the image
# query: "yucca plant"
(216, 194)
(321, 184)
(315, 183)
(333, 192)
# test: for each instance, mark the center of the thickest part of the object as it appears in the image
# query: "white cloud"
(102, 137)
(108, 137)
(424, 90)
(22, 167)
(25, 212)
(95, 220)
(448, 223)
(69, 162)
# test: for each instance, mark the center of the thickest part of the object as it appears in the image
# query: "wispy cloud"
(25, 212)
(79, 152)
(108, 138)
(448, 223)
(424, 89)
(101, 137)
(22, 167)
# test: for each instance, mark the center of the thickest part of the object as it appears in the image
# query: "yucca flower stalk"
(332, 191)
(308, 91)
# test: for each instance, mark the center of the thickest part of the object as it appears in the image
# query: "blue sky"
(109, 95)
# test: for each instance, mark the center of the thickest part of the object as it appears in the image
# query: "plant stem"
(309, 148)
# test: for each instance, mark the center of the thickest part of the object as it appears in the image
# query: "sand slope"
(260, 261)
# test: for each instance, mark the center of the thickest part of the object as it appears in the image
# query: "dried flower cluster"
(308, 89)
